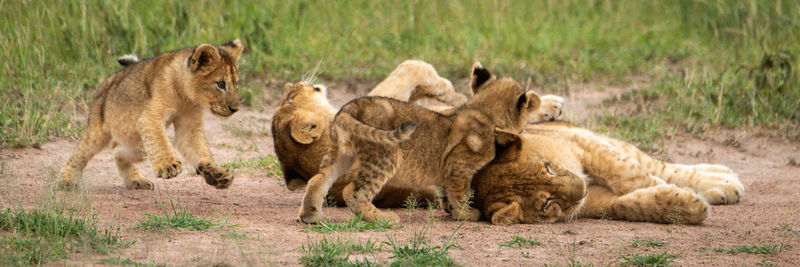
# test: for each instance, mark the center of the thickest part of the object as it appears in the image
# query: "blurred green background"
(707, 63)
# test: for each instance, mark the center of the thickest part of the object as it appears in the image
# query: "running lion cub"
(376, 139)
(133, 107)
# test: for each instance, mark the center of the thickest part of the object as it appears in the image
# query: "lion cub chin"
(375, 140)
(133, 107)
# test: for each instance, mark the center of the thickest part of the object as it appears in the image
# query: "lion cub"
(378, 139)
(413, 80)
(623, 182)
(133, 107)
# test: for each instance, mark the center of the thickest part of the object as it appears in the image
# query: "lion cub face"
(520, 186)
(214, 78)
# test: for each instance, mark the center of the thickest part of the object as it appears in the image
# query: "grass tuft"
(763, 249)
(40, 236)
(420, 252)
(336, 253)
(353, 225)
(653, 259)
(176, 218)
(521, 242)
(637, 243)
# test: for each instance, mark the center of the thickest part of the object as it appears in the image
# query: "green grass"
(521, 242)
(711, 62)
(638, 243)
(336, 253)
(353, 225)
(124, 261)
(653, 259)
(269, 163)
(177, 217)
(419, 250)
(751, 249)
(40, 236)
(235, 235)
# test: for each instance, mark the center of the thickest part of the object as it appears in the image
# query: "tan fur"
(550, 109)
(303, 105)
(377, 139)
(133, 107)
(414, 80)
(624, 183)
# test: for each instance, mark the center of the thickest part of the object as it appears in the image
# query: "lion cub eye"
(548, 168)
(221, 85)
(317, 89)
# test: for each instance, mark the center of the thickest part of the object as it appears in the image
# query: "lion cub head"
(520, 186)
(213, 78)
(300, 127)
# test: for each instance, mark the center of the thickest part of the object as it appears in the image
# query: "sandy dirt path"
(258, 206)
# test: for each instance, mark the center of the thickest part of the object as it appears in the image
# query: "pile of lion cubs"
(501, 155)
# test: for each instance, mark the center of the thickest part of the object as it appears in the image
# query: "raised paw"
(550, 109)
(168, 168)
(215, 175)
(139, 184)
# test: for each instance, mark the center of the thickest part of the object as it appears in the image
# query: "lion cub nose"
(233, 109)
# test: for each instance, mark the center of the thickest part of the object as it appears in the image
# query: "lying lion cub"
(535, 181)
(377, 139)
(133, 107)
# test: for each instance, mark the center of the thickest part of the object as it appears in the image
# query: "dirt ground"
(260, 207)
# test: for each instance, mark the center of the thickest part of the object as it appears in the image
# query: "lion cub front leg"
(156, 145)
(191, 142)
(457, 192)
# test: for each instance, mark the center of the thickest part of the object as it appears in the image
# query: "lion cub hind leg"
(659, 204)
(376, 165)
(92, 142)
(718, 186)
(125, 157)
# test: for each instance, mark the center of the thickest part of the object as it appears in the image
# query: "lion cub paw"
(549, 109)
(215, 176)
(382, 216)
(470, 214)
(168, 168)
(310, 216)
(66, 180)
(140, 183)
(510, 214)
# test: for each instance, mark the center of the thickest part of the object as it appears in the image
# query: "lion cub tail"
(128, 60)
(364, 131)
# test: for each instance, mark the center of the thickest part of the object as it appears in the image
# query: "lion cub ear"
(528, 102)
(480, 77)
(306, 127)
(508, 145)
(287, 88)
(204, 59)
(234, 48)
